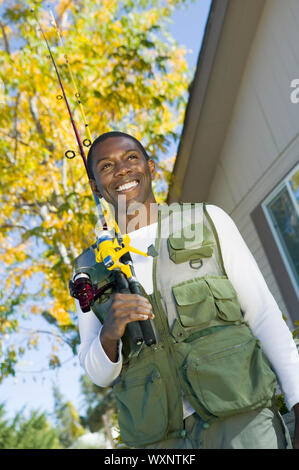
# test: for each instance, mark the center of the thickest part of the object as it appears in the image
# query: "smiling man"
(121, 167)
(209, 381)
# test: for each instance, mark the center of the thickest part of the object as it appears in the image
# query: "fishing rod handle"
(135, 288)
(146, 326)
(134, 328)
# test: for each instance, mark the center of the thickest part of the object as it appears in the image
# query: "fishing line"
(86, 142)
(113, 251)
(70, 153)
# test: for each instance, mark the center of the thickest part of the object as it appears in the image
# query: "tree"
(132, 77)
(68, 420)
(101, 411)
(34, 432)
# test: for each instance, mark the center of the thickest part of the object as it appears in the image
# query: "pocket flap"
(221, 287)
(191, 236)
(190, 292)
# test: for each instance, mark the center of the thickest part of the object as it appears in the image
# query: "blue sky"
(32, 386)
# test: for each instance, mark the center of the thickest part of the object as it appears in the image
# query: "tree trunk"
(107, 424)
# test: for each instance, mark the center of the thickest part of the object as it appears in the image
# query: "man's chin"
(125, 200)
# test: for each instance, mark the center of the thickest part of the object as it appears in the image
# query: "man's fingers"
(130, 298)
(127, 308)
(137, 317)
(131, 303)
(137, 313)
(134, 304)
(119, 296)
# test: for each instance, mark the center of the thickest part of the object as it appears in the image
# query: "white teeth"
(129, 185)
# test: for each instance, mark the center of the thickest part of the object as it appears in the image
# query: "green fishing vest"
(204, 351)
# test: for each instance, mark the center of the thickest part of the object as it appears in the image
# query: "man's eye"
(104, 167)
(133, 156)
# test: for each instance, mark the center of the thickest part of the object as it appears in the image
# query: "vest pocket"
(205, 299)
(228, 372)
(142, 407)
(194, 303)
(225, 297)
(182, 247)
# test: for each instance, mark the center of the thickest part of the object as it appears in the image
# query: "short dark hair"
(105, 136)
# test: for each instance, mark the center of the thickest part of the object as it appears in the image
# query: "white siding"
(262, 143)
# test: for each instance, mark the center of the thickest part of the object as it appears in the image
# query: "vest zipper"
(236, 346)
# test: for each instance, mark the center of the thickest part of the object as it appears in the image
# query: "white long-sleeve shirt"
(261, 311)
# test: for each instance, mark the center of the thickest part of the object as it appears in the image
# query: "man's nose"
(122, 168)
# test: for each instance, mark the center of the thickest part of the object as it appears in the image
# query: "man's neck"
(138, 216)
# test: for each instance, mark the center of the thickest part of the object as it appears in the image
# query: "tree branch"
(39, 127)
(107, 423)
(12, 226)
(6, 43)
(47, 332)
(16, 126)
(15, 137)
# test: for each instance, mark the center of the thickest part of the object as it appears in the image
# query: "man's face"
(121, 169)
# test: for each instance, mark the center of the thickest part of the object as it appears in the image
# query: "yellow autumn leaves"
(131, 78)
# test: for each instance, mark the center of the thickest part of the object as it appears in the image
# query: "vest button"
(183, 433)
(206, 425)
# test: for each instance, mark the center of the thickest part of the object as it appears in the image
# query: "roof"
(228, 37)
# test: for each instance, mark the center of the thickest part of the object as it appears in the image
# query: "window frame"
(284, 184)
(273, 254)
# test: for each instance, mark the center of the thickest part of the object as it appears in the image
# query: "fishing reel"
(82, 289)
(114, 254)
(110, 250)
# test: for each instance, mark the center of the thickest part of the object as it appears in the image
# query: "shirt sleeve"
(260, 309)
(97, 365)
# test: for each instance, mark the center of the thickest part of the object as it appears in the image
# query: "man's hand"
(296, 433)
(125, 308)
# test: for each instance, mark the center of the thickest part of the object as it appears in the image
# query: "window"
(281, 209)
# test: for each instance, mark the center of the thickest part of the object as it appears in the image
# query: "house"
(240, 141)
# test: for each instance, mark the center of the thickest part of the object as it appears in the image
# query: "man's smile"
(126, 187)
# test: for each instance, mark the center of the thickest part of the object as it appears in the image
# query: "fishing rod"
(113, 251)
(86, 142)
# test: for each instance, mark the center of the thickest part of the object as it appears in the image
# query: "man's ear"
(94, 188)
(152, 167)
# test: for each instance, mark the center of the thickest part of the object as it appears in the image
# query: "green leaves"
(33, 432)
